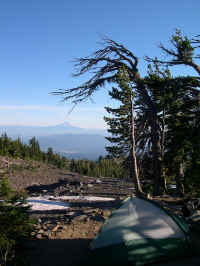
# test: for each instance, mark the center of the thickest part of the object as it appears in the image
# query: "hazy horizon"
(40, 39)
(52, 125)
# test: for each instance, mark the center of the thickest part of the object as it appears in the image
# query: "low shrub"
(15, 225)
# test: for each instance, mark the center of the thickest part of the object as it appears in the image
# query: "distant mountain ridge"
(30, 131)
(72, 142)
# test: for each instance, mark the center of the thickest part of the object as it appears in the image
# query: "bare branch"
(103, 66)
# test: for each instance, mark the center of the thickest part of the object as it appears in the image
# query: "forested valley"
(103, 167)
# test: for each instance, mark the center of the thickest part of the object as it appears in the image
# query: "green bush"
(15, 225)
(148, 188)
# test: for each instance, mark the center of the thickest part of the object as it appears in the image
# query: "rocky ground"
(39, 179)
(62, 238)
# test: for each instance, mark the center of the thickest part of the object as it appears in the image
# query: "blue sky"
(39, 40)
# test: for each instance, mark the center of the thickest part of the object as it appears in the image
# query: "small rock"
(45, 234)
(88, 211)
(39, 236)
(44, 227)
(70, 213)
(57, 227)
(38, 226)
(82, 217)
(41, 231)
(33, 233)
(50, 226)
(95, 210)
(98, 218)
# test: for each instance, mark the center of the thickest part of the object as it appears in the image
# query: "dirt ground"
(67, 248)
(75, 252)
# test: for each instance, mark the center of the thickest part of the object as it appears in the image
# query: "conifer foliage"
(103, 167)
(119, 123)
(17, 149)
(122, 126)
(15, 225)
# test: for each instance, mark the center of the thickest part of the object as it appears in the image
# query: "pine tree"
(122, 127)
(15, 224)
(183, 128)
(35, 151)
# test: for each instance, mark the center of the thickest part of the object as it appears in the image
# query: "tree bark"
(179, 178)
(133, 159)
(157, 158)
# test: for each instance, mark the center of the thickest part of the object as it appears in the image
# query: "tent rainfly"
(138, 233)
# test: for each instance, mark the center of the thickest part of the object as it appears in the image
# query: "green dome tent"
(139, 232)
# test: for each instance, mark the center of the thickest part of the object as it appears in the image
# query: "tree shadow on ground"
(75, 252)
(38, 188)
(95, 204)
(59, 252)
